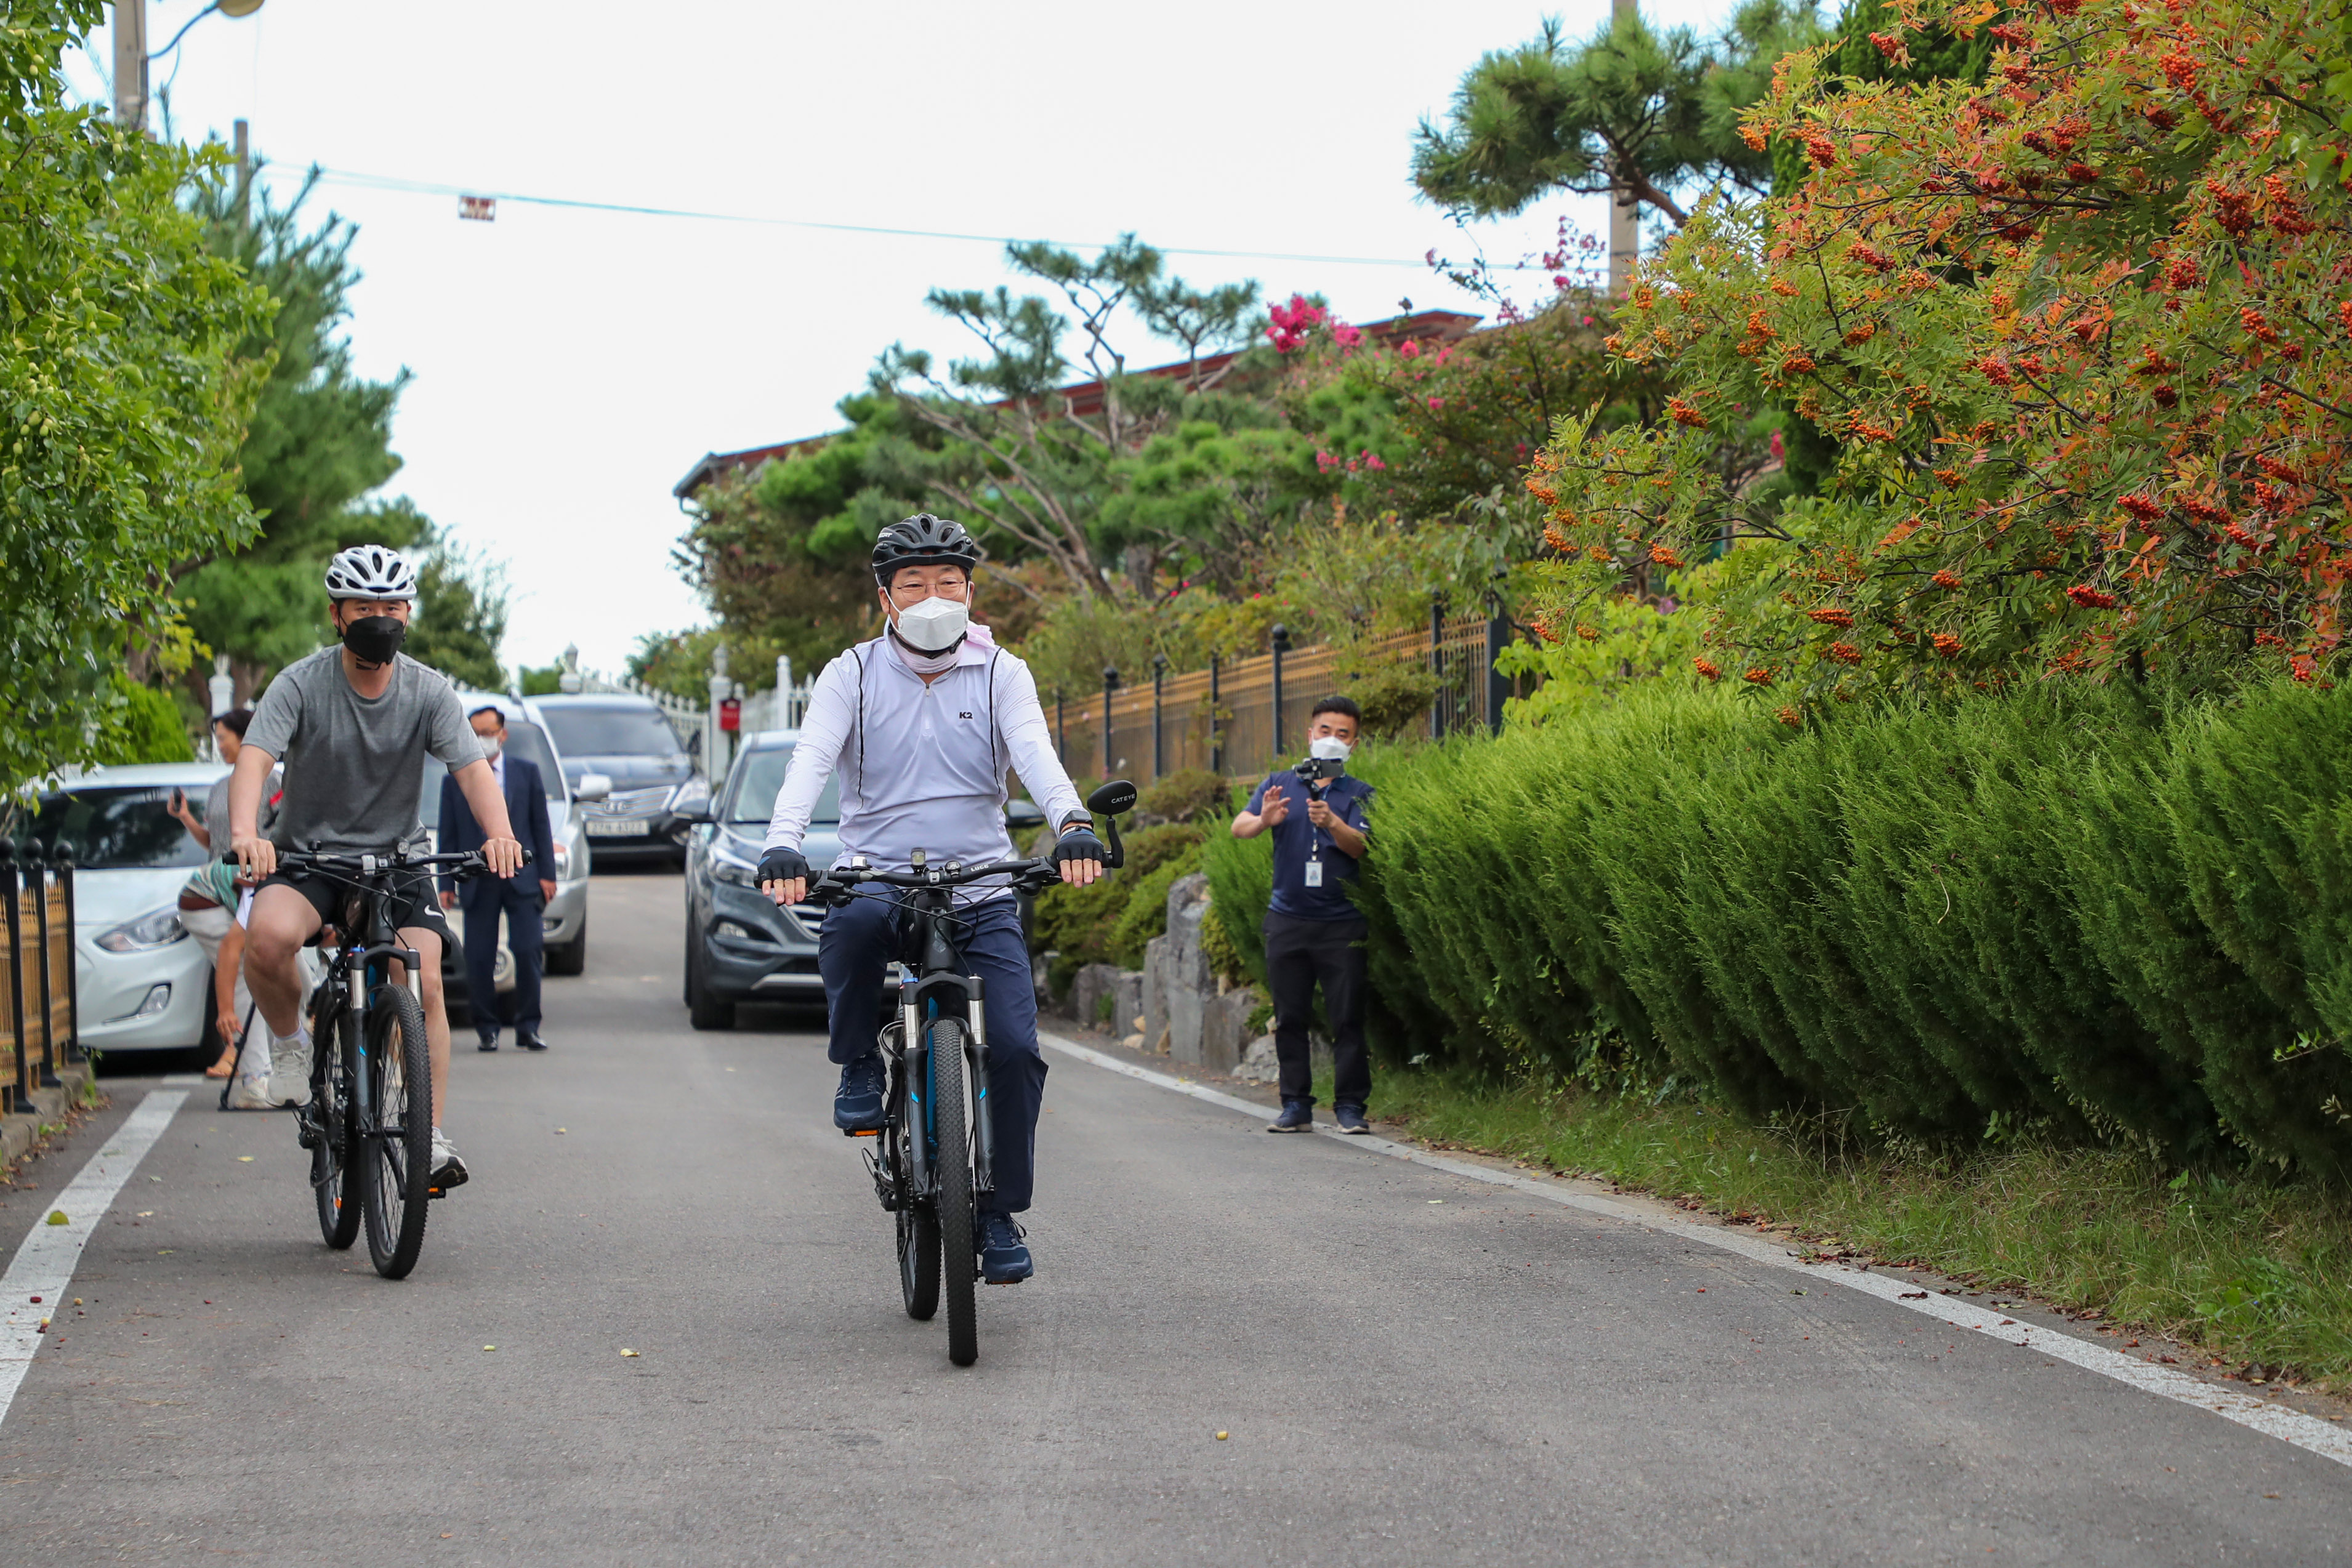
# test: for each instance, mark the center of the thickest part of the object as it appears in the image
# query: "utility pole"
(244, 178)
(1625, 217)
(131, 64)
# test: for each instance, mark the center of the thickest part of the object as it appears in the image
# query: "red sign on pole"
(730, 713)
(481, 209)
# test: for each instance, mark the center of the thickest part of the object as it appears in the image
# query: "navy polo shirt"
(1295, 840)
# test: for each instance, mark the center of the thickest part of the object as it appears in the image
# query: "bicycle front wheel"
(336, 1045)
(952, 1164)
(392, 1148)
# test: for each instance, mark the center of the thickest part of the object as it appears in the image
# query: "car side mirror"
(592, 787)
(1111, 798)
(699, 813)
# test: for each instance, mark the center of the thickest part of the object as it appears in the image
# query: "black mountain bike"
(369, 1124)
(933, 1158)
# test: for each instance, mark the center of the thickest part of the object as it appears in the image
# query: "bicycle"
(369, 1124)
(933, 1156)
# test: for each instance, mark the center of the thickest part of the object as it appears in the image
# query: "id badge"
(1314, 874)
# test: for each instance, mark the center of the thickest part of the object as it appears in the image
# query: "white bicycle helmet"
(371, 571)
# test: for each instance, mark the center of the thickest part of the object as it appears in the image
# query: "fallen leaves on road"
(629, 1352)
(1222, 1436)
(57, 1216)
(489, 1347)
(244, 1159)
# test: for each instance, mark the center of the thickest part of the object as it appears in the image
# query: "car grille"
(630, 802)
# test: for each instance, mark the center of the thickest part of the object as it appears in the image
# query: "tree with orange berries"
(2083, 331)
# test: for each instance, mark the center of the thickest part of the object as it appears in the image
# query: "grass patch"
(2254, 1271)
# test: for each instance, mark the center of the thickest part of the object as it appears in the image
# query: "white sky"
(571, 366)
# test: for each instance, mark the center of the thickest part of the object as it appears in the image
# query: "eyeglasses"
(916, 592)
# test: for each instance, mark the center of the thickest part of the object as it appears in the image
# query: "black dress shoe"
(490, 1042)
(530, 1040)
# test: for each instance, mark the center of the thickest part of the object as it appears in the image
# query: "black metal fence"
(36, 977)
(1240, 716)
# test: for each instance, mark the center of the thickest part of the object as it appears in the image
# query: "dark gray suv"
(656, 790)
(739, 947)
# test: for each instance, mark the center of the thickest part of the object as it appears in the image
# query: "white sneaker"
(251, 1094)
(448, 1170)
(290, 1070)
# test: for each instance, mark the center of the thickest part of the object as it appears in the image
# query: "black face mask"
(374, 638)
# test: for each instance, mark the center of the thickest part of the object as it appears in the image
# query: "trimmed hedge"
(2073, 908)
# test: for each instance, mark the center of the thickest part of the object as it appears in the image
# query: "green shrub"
(2075, 909)
(1144, 916)
(1241, 881)
(1108, 921)
(1190, 794)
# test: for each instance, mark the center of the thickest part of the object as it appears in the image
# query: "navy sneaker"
(1352, 1118)
(857, 1103)
(1297, 1116)
(1003, 1255)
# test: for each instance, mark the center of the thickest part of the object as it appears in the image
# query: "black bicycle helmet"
(924, 540)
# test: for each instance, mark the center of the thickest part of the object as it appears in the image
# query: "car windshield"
(527, 741)
(111, 830)
(759, 777)
(612, 732)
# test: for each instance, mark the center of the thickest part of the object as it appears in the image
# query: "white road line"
(2170, 1382)
(44, 1265)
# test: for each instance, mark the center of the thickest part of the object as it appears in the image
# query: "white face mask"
(935, 626)
(490, 747)
(1328, 748)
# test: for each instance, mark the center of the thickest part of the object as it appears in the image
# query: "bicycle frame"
(920, 996)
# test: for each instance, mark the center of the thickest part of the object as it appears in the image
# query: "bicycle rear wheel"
(336, 1045)
(393, 1145)
(951, 1162)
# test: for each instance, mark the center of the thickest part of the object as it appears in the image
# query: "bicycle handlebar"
(463, 863)
(835, 885)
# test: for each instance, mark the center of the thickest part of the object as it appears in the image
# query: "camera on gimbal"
(1316, 773)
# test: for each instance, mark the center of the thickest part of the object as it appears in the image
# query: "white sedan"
(142, 981)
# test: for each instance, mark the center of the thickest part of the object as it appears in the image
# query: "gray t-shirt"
(354, 767)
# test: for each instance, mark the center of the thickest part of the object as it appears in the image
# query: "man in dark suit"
(521, 898)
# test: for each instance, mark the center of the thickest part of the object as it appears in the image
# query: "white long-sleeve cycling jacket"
(922, 767)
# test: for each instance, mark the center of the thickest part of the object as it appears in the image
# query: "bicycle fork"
(922, 1103)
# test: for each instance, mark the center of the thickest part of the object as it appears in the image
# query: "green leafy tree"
(123, 368)
(1641, 114)
(461, 609)
(2083, 341)
(1009, 453)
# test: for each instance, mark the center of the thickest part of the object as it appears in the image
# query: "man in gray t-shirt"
(353, 724)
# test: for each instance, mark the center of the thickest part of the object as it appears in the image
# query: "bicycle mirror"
(1113, 798)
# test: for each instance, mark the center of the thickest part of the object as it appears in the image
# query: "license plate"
(618, 830)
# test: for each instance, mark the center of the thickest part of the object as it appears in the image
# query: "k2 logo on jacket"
(963, 716)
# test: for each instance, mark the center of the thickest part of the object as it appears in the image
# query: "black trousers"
(485, 899)
(1299, 955)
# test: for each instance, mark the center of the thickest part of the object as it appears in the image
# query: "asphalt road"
(1412, 1368)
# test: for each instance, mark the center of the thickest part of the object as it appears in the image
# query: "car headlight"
(563, 860)
(734, 870)
(693, 792)
(160, 929)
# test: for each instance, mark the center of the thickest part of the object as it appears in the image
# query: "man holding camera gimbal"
(1313, 933)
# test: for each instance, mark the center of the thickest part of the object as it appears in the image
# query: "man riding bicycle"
(353, 723)
(922, 722)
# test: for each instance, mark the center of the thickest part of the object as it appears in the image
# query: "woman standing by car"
(208, 902)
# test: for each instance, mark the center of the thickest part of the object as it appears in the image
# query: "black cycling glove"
(1077, 842)
(780, 864)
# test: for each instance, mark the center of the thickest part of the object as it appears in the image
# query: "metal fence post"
(20, 1084)
(1498, 635)
(1281, 644)
(65, 943)
(1159, 750)
(1110, 685)
(37, 893)
(1216, 727)
(1437, 666)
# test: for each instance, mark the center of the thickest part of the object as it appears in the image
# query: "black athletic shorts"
(414, 901)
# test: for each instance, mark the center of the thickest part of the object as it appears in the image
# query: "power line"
(427, 187)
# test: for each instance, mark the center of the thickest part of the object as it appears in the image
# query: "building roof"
(1080, 400)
